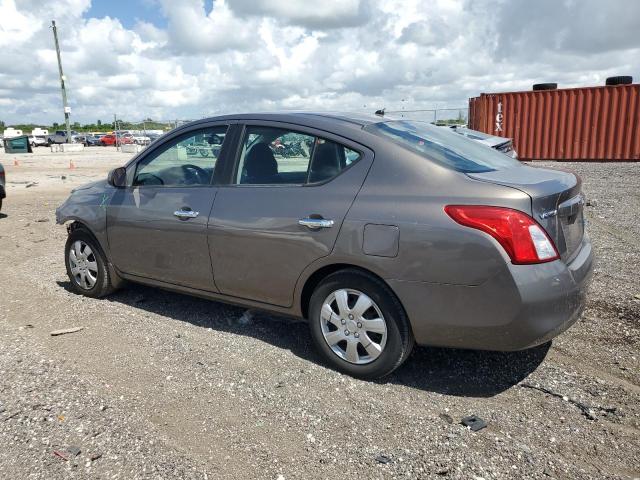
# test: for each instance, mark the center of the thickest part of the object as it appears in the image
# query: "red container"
(572, 124)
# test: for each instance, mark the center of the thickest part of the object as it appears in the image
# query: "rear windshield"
(443, 146)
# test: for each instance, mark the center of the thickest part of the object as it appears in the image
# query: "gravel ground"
(160, 385)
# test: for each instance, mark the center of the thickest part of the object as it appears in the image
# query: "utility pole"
(115, 129)
(67, 110)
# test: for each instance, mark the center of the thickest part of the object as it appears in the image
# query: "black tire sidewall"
(102, 281)
(394, 352)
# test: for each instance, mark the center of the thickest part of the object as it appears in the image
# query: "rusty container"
(571, 124)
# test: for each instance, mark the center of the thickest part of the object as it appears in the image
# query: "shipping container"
(571, 124)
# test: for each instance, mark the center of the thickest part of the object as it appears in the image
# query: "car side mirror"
(117, 177)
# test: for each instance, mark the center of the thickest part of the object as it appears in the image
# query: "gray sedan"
(381, 233)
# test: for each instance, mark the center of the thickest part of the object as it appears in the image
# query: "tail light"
(524, 240)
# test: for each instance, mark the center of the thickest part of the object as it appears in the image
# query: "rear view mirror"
(117, 177)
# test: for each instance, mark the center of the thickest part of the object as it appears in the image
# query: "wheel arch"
(323, 272)
(77, 224)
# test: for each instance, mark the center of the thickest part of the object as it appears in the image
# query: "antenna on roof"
(380, 113)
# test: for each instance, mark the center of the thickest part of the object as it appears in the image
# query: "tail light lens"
(523, 239)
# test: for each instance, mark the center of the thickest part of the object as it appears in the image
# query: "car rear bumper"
(523, 306)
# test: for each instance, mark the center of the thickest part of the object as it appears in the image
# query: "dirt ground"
(160, 385)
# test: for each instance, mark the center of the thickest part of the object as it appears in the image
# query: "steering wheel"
(194, 174)
(148, 179)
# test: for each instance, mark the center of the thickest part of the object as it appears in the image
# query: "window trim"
(302, 129)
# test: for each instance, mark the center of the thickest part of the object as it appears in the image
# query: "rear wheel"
(87, 265)
(358, 325)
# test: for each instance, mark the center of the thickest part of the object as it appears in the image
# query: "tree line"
(98, 126)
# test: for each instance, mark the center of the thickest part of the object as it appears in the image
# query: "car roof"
(359, 119)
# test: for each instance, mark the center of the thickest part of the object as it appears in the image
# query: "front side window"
(274, 156)
(186, 161)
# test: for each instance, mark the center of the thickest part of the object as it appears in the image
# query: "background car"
(88, 140)
(60, 136)
(111, 140)
(37, 141)
(382, 235)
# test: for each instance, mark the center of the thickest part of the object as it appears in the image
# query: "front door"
(157, 226)
(284, 208)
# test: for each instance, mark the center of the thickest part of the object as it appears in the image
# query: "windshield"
(443, 146)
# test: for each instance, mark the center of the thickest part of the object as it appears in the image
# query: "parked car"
(60, 136)
(3, 191)
(388, 233)
(153, 137)
(141, 139)
(37, 141)
(501, 144)
(110, 140)
(88, 140)
(126, 139)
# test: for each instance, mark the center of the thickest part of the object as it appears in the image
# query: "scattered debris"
(31, 184)
(473, 422)
(64, 331)
(74, 451)
(14, 414)
(592, 203)
(62, 454)
(446, 417)
(383, 459)
(42, 220)
(586, 410)
(95, 456)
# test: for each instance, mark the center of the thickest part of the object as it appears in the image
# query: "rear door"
(157, 226)
(289, 192)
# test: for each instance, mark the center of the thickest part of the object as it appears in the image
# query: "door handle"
(315, 223)
(183, 214)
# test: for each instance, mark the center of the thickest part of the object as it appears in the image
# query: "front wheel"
(358, 325)
(87, 265)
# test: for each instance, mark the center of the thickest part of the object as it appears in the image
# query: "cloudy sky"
(186, 59)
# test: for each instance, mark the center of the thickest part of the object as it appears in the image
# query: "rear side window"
(443, 146)
(274, 156)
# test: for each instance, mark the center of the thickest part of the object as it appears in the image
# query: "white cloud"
(241, 55)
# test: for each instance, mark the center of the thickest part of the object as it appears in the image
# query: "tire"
(545, 86)
(0, 204)
(102, 285)
(394, 345)
(621, 80)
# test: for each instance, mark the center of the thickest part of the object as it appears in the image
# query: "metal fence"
(453, 116)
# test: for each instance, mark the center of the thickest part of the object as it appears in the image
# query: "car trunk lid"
(556, 202)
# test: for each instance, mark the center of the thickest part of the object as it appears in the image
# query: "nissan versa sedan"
(381, 233)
